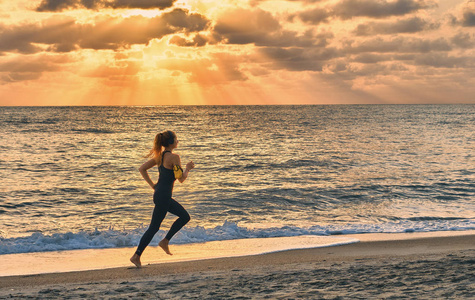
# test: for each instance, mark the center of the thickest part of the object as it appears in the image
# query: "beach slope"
(424, 267)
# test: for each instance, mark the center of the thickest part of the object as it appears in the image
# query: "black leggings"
(162, 206)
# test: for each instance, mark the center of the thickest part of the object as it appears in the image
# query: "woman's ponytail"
(156, 152)
(163, 139)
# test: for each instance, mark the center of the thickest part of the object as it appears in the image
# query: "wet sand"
(412, 267)
(99, 259)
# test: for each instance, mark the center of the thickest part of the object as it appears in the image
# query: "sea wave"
(112, 238)
(92, 130)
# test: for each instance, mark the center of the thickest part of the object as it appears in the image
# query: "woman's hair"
(163, 139)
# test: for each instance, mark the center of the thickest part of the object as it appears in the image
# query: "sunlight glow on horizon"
(237, 52)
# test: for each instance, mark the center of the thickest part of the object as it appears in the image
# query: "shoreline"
(370, 247)
(79, 260)
(37, 263)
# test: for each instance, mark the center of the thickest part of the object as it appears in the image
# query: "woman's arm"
(189, 166)
(143, 170)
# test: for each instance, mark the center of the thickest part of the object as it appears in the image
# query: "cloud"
(181, 19)
(62, 34)
(387, 55)
(227, 68)
(30, 67)
(443, 60)
(17, 77)
(355, 53)
(371, 58)
(60, 5)
(464, 40)
(257, 26)
(432, 59)
(313, 16)
(124, 68)
(399, 45)
(197, 41)
(263, 29)
(219, 68)
(347, 9)
(468, 16)
(298, 59)
(143, 4)
(256, 2)
(465, 16)
(409, 25)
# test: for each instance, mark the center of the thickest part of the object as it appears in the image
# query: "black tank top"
(166, 179)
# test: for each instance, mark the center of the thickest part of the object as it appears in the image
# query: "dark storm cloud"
(262, 29)
(64, 34)
(410, 25)
(347, 9)
(59, 5)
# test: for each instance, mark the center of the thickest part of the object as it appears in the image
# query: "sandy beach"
(426, 267)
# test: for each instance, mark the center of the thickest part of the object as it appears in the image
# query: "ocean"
(70, 179)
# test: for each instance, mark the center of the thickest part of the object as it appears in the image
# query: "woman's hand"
(190, 165)
(143, 170)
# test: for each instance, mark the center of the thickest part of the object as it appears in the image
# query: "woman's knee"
(186, 218)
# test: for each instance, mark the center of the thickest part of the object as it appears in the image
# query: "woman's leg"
(159, 213)
(183, 218)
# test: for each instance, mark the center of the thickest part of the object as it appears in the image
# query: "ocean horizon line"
(243, 105)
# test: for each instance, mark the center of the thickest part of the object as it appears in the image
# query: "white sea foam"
(111, 238)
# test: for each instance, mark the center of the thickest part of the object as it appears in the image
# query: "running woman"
(162, 156)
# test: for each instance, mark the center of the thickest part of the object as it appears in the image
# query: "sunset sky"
(153, 52)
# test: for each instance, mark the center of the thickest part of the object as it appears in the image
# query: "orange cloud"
(63, 34)
(60, 5)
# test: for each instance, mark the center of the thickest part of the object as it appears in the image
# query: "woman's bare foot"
(135, 259)
(164, 245)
